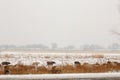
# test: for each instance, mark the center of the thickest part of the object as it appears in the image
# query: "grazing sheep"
(50, 64)
(77, 64)
(6, 67)
(5, 63)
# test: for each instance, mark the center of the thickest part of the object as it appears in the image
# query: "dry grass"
(85, 68)
(25, 69)
(97, 56)
(8, 56)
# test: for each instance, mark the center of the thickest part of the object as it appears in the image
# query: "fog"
(66, 22)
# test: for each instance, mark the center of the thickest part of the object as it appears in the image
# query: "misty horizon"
(65, 22)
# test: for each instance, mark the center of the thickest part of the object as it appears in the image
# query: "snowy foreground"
(60, 58)
(80, 76)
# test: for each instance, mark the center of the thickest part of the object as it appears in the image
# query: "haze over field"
(65, 22)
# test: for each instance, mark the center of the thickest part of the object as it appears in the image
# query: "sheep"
(50, 64)
(5, 63)
(77, 64)
(5, 67)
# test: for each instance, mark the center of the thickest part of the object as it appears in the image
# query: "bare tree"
(114, 47)
(115, 32)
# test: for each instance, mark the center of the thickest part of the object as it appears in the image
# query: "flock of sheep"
(4, 66)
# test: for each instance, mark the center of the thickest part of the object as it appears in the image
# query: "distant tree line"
(55, 46)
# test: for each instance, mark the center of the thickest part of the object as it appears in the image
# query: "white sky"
(62, 21)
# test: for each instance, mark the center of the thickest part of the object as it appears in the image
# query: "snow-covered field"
(62, 58)
(81, 76)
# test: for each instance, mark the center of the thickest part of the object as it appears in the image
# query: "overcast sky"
(62, 21)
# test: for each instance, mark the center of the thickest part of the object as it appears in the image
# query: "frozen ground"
(63, 58)
(81, 76)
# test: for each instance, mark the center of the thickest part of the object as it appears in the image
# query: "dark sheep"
(5, 63)
(77, 63)
(50, 62)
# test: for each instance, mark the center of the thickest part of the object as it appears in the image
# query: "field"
(23, 62)
(80, 76)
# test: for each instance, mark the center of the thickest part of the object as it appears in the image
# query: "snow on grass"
(62, 58)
